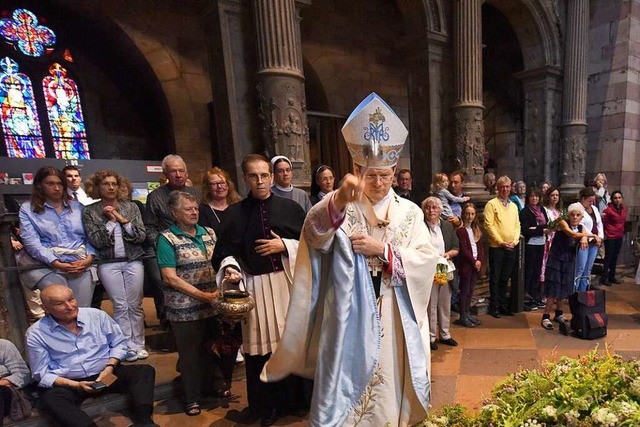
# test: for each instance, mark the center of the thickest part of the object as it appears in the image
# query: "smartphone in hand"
(106, 381)
(98, 385)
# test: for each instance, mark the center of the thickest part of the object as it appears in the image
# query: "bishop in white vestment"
(357, 320)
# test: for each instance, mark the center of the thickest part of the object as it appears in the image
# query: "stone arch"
(172, 71)
(536, 25)
(175, 73)
(537, 28)
(421, 15)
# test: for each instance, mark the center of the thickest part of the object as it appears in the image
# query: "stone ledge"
(94, 407)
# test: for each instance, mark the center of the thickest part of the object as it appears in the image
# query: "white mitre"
(375, 135)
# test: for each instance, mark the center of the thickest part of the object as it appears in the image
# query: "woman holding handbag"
(52, 233)
(444, 239)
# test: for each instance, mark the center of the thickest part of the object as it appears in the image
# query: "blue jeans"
(584, 263)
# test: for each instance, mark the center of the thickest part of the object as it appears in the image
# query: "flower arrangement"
(441, 275)
(553, 224)
(593, 390)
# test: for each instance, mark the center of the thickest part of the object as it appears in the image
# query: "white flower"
(605, 417)
(550, 412)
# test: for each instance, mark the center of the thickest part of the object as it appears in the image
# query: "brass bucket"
(234, 304)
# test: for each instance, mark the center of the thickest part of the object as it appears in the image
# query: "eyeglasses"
(218, 184)
(375, 177)
(257, 178)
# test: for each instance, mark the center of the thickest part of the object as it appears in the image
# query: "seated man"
(14, 374)
(71, 349)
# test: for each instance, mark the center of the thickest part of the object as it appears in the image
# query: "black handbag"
(589, 317)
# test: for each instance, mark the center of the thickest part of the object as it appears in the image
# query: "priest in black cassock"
(260, 234)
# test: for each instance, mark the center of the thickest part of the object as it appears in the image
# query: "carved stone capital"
(574, 145)
(469, 138)
(282, 112)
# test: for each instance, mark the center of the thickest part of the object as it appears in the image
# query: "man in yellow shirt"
(502, 225)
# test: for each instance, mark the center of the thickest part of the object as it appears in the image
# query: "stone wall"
(613, 110)
(171, 37)
(351, 47)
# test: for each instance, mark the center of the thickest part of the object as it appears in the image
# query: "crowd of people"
(317, 268)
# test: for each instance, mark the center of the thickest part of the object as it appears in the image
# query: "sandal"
(192, 409)
(559, 319)
(546, 323)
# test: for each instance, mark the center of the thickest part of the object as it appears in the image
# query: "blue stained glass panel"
(23, 28)
(20, 124)
(65, 115)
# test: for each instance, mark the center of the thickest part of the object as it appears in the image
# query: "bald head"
(58, 301)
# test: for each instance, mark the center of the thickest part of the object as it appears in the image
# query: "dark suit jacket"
(465, 262)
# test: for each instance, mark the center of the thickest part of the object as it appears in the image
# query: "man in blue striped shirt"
(71, 349)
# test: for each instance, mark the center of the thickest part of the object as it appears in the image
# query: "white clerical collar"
(286, 189)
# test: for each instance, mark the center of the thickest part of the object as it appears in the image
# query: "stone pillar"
(427, 56)
(282, 105)
(468, 109)
(574, 114)
(543, 104)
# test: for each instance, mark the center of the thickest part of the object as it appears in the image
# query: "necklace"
(215, 214)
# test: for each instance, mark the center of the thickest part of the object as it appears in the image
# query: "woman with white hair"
(445, 240)
(560, 270)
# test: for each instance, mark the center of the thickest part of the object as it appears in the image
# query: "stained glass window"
(23, 29)
(65, 115)
(20, 125)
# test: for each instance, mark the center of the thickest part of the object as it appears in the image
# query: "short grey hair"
(172, 157)
(176, 197)
(431, 200)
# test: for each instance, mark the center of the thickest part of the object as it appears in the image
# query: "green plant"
(592, 390)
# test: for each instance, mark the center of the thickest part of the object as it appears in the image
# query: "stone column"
(468, 109)
(574, 114)
(542, 119)
(282, 109)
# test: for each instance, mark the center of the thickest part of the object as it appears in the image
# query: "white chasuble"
(386, 379)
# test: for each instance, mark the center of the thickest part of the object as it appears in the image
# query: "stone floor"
(464, 374)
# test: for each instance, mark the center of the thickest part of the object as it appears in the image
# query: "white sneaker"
(239, 357)
(131, 355)
(143, 354)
